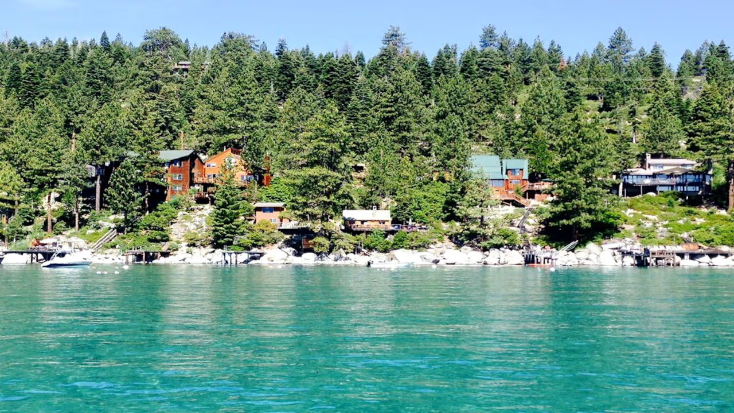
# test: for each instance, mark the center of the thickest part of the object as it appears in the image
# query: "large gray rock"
(689, 263)
(593, 248)
(514, 258)
(704, 259)
(606, 258)
(475, 257)
(455, 257)
(721, 261)
(406, 256)
(308, 257)
(628, 261)
(493, 257)
(16, 259)
(275, 256)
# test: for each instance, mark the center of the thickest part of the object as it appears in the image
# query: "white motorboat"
(65, 258)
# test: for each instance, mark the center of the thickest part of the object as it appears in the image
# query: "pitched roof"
(366, 215)
(515, 164)
(173, 155)
(671, 161)
(487, 166)
(269, 205)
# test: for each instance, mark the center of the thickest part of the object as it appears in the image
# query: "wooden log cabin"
(213, 168)
(362, 220)
(181, 167)
(509, 179)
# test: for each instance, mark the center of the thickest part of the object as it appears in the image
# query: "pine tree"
(13, 80)
(29, 88)
(489, 38)
(582, 206)
(656, 61)
(104, 42)
(662, 129)
(711, 130)
(229, 210)
(123, 196)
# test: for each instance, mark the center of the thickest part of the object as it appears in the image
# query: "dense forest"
(412, 119)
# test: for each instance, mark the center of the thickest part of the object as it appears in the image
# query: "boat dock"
(36, 255)
(671, 257)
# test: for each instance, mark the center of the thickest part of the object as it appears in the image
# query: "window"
(178, 177)
(176, 163)
(268, 210)
(211, 176)
(177, 187)
(274, 220)
(211, 164)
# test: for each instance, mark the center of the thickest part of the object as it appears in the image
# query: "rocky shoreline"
(590, 255)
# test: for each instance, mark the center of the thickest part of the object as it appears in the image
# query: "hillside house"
(362, 220)
(509, 179)
(271, 212)
(669, 174)
(181, 167)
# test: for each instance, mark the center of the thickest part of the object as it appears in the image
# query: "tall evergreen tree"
(582, 205)
(123, 196)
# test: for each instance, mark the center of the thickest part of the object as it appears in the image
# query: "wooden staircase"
(511, 196)
(106, 238)
(521, 223)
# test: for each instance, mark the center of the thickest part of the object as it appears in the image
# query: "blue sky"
(329, 25)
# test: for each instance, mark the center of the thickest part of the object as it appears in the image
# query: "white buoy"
(553, 269)
(434, 266)
(99, 272)
(125, 267)
(117, 272)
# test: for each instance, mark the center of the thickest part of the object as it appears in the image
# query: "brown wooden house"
(367, 219)
(509, 179)
(181, 167)
(271, 212)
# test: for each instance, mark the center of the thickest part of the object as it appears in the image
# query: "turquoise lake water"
(184, 339)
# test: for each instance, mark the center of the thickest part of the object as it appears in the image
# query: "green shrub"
(321, 245)
(376, 241)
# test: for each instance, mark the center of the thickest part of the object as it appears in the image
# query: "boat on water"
(66, 258)
(389, 264)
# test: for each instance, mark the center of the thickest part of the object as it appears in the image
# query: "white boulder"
(275, 256)
(16, 259)
(628, 261)
(721, 261)
(493, 257)
(593, 248)
(475, 257)
(607, 259)
(514, 258)
(455, 257)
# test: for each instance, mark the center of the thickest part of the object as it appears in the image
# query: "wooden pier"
(662, 257)
(36, 255)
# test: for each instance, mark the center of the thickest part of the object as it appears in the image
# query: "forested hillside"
(412, 117)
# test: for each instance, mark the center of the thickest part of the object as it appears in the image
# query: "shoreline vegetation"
(103, 134)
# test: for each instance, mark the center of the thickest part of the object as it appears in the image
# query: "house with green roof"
(182, 166)
(508, 178)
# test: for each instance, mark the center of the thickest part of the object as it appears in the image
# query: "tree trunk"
(49, 218)
(730, 181)
(98, 192)
(147, 195)
(76, 215)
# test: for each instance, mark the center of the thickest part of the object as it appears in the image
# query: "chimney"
(647, 161)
